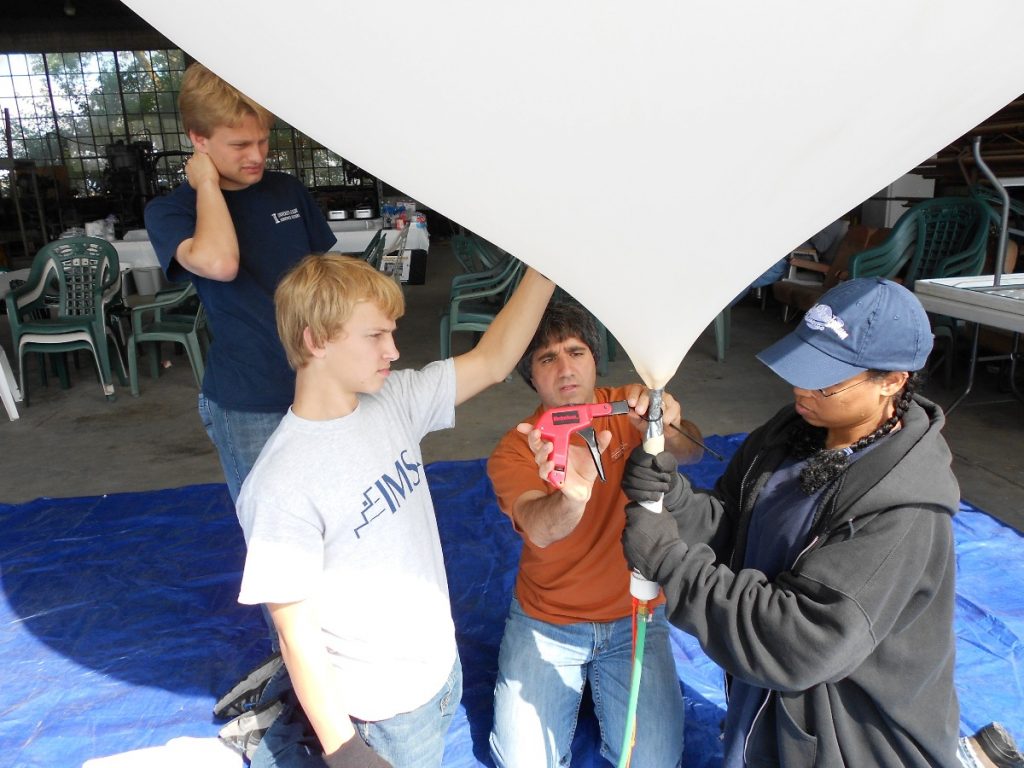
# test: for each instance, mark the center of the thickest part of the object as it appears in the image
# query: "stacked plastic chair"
(61, 307)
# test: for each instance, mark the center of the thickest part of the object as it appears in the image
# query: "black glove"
(647, 477)
(647, 539)
(355, 754)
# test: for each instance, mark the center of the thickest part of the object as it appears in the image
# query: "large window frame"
(85, 111)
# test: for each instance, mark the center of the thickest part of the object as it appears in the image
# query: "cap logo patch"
(820, 317)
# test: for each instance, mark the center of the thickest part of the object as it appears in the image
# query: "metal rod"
(690, 437)
(1004, 219)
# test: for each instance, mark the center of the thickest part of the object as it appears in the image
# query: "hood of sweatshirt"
(910, 466)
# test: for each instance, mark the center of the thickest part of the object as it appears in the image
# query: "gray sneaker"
(999, 746)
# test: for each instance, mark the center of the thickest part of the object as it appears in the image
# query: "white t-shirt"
(339, 511)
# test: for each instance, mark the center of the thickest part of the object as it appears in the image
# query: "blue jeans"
(416, 739)
(408, 740)
(542, 669)
(238, 436)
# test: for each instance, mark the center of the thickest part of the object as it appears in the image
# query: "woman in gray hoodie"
(819, 572)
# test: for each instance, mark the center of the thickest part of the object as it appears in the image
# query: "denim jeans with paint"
(542, 668)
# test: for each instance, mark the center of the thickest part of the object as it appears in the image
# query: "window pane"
(18, 64)
(90, 63)
(167, 103)
(105, 60)
(98, 104)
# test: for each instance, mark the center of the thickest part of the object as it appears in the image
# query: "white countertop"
(976, 299)
(352, 235)
(356, 241)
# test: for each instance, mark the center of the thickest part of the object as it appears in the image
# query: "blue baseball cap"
(864, 324)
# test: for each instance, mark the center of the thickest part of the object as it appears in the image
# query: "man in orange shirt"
(570, 618)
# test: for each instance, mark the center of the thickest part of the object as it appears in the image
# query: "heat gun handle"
(559, 455)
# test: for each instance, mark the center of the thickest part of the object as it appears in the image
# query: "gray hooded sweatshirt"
(855, 642)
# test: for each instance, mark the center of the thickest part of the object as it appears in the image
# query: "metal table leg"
(975, 359)
(970, 370)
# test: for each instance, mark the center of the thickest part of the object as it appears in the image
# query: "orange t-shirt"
(583, 577)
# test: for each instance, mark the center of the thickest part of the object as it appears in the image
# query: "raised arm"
(212, 252)
(505, 340)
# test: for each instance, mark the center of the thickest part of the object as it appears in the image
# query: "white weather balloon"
(651, 157)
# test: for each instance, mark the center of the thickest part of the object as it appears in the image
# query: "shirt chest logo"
(389, 492)
(282, 216)
(616, 452)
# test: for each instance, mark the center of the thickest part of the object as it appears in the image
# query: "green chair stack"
(61, 307)
(153, 323)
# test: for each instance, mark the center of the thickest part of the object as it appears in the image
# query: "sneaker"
(999, 746)
(244, 733)
(246, 693)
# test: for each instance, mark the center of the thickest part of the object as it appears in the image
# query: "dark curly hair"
(824, 464)
(563, 319)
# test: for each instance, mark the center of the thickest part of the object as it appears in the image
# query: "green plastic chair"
(61, 307)
(942, 237)
(952, 237)
(482, 277)
(153, 322)
(475, 254)
(464, 252)
(993, 203)
(473, 307)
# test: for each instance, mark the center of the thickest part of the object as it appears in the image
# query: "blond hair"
(207, 102)
(321, 292)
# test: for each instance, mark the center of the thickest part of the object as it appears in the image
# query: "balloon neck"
(654, 440)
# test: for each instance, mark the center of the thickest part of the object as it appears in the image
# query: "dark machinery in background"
(134, 176)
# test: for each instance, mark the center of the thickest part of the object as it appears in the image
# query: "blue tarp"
(119, 626)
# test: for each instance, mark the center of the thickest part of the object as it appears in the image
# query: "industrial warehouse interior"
(121, 568)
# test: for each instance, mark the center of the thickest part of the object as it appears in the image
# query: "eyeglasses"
(823, 393)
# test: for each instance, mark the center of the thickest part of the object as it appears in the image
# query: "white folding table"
(978, 300)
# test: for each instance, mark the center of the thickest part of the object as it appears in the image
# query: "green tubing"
(634, 691)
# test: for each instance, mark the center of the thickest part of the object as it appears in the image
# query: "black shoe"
(246, 693)
(999, 746)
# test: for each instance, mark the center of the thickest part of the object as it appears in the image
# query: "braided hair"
(826, 464)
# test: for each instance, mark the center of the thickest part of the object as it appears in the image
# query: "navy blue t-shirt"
(277, 224)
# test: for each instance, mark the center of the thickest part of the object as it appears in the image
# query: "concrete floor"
(75, 443)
